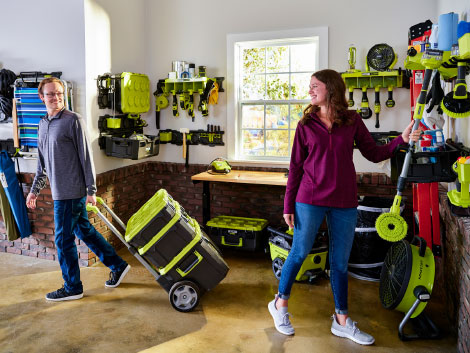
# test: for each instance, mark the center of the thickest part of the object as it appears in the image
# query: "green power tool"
(161, 102)
(175, 104)
(391, 226)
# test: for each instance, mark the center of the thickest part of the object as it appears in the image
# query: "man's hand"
(289, 218)
(31, 201)
(91, 199)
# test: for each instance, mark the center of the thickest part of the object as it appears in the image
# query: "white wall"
(147, 35)
(116, 41)
(45, 35)
(200, 37)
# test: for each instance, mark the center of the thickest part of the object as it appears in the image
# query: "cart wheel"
(277, 267)
(184, 296)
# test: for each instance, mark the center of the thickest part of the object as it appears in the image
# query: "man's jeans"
(341, 225)
(71, 219)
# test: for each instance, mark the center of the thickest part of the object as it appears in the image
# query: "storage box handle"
(183, 273)
(240, 242)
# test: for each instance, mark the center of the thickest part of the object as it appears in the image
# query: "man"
(64, 154)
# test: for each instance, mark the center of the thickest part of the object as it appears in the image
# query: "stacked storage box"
(173, 243)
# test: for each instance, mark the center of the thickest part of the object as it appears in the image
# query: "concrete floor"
(233, 317)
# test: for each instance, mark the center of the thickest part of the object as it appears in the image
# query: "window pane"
(296, 113)
(253, 87)
(277, 86)
(277, 143)
(253, 116)
(299, 86)
(292, 134)
(253, 142)
(253, 60)
(277, 116)
(277, 59)
(303, 57)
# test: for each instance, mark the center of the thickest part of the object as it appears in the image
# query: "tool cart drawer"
(238, 232)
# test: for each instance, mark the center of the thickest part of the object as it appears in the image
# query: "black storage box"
(123, 147)
(238, 232)
(171, 240)
(202, 265)
(438, 170)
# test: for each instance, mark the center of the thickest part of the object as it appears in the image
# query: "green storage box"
(238, 232)
(150, 219)
(171, 239)
(135, 93)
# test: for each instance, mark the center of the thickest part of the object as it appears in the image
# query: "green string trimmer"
(456, 104)
(391, 226)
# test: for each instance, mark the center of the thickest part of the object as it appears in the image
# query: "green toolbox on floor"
(172, 247)
(238, 232)
(280, 243)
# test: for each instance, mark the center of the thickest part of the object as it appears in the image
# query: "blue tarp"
(14, 194)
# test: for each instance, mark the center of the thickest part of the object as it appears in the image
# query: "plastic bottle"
(433, 37)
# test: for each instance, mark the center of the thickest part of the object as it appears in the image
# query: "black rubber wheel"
(184, 296)
(277, 267)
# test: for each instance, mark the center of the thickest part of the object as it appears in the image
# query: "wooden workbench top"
(244, 177)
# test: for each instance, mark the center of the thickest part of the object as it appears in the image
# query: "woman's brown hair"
(335, 100)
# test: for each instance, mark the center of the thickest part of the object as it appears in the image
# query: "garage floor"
(233, 317)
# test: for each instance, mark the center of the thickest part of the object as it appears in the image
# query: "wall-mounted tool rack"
(210, 137)
(185, 89)
(373, 79)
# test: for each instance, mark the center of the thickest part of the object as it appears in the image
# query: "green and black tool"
(456, 104)
(365, 110)
(191, 104)
(351, 97)
(161, 102)
(175, 104)
(391, 226)
(390, 103)
(377, 106)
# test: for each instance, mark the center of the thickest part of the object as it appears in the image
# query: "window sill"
(258, 163)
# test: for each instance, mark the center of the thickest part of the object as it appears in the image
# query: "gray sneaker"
(351, 331)
(281, 320)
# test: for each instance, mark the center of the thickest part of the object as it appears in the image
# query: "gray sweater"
(64, 156)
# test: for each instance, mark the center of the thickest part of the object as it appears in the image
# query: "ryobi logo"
(3, 180)
(232, 231)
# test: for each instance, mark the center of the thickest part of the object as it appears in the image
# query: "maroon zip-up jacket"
(321, 168)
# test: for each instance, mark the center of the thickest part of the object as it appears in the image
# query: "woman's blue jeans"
(341, 225)
(71, 219)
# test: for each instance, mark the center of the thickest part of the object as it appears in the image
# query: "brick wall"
(126, 189)
(455, 275)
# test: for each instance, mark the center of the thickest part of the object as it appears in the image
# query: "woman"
(322, 182)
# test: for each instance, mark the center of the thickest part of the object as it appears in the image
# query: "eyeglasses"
(53, 94)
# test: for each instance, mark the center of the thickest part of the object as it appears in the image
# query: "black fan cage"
(380, 57)
(395, 275)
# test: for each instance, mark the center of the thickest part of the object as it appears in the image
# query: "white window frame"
(233, 115)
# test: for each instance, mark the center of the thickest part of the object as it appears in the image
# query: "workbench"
(235, 176)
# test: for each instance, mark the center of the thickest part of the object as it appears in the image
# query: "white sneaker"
(351, 331)
(281, 320)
